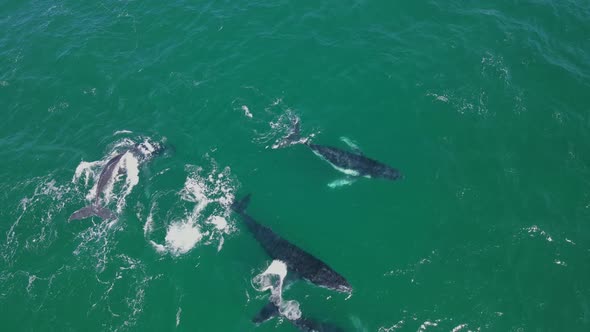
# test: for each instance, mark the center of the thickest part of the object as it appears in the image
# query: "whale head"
(328, 278)
(386, 172)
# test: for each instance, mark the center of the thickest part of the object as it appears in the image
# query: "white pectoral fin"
(351, 144)
(341, 182)
(349, 172)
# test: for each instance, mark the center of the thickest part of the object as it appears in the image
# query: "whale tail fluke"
(270, 310)
(91, 211)
(241, 205)
(267, 312)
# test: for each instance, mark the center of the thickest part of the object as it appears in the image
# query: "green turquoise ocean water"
(483, 106)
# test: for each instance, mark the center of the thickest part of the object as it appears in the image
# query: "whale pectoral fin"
(342, 182)
(267, 312)
(355, 148)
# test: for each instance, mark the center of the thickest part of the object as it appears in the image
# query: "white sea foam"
(33, 225)
(131, 166)
(427, 324)
(272, 279)
(182, 237)
(159, 248)
(280, 128)
(122, 291)
(95, 241)
(219, 222)
(535, 230)
(459, 328)
(178, 312)
(122, 144)
(88, 170)
(147, 148)
(209, 220)
(443, 98)
(36, 222)
(148, 227)
(127, 167)
(246, 111)
(119, 132)
(392, 328)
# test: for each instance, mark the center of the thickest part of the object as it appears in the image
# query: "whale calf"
(303, 264)
(143, 151)
(354, 164)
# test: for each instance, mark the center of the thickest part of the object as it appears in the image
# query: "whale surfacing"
(297, 260)
(143, 151)
(354, 164)
(303, 323)
(104, 178)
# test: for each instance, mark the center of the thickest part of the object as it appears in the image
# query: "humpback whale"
(142, 151)
(303, 323)
(350, 163)
(297, 260)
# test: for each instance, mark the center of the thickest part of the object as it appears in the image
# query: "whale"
(143, 151)
(353, 164)
(303, 323)
(303, 264)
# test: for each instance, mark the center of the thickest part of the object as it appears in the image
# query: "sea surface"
(482, 105)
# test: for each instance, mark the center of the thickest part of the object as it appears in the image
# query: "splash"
(246, 111)
(182, 237)
(38, 221)
(211, 194)
(272, 279)
(284, 128)
(96, 240)
(219, 222)
(148, 227)
(130, 165)
(87, 170)
(148, 148)
(279, 128)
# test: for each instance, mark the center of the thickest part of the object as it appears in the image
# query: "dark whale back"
(106, 174)
(299, 261)
(356, 162)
